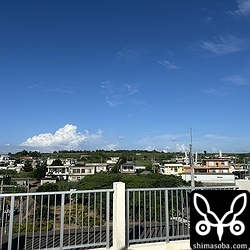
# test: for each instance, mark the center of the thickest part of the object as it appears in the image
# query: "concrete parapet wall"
(243, 184)
(172, 245)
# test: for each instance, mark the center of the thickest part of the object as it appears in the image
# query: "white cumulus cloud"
(181, 148)
(64, 138)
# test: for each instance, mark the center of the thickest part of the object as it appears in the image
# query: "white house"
(172, 168)
(127, 168)
(79, 172)
(211, 178)
(61, 172)
(113, 160)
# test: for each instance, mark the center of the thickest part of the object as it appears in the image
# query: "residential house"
(4, 159)
(78, 172)
(61, 172)
(218, 164)
(127, 168)
(113, 160)
(172, 169)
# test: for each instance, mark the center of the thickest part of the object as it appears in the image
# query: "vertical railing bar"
(182, 212)
(34, 220)
(187, 212)
(107, 219)
(139, 213)
(70, 204)
(177, 212)
(88, 215)
(133, 214)
(26, 221)
(41, 221)
(145, 214)
(12, 202)
(54, 227)
(150, 215)
(62, 220)
(94, 217)
(20, 222)
(47, 231)
(155, 213)
(100, 214)
(172, 208)
(1, 229)
(127, 218)
(160, 213)
(2, 218)
(76, 219)
(82, 218)
(166, 216)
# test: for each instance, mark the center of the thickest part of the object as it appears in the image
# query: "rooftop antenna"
(191, 160)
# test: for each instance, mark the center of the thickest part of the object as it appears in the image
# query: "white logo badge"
(203, 227)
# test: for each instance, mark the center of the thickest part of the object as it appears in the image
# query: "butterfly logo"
(236, 227)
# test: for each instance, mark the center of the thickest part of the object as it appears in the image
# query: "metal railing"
(160, 214)
(56, 220)
(89, 219)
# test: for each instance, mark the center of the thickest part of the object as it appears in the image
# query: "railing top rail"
(180, 188)
(58, 192)
(111, 190)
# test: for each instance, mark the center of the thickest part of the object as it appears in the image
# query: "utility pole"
(191, 160)
(1, 191)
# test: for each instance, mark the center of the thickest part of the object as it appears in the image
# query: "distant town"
(72, 166)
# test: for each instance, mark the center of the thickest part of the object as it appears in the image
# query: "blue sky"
(89, 75)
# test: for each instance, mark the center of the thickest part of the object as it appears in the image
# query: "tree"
(106, 180)
(48, 187)
(40, 172)
(27, 167)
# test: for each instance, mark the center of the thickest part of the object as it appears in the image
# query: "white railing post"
(119, 216)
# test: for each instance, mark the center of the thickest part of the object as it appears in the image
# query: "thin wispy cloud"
(215, 142)
(112, 146)
(208, 19)
(59, 89)
(236, 79)
(243, 8)
(215, 137)
(224, 45)
(213, 92)
(168, 65)
(166, 142)
(113, 97)
(131, 89)
(130, 52)
(120, 94)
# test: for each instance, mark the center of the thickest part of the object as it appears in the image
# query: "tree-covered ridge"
(106, 180)
(139, 156)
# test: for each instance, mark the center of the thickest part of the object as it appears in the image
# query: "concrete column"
(119, 216)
